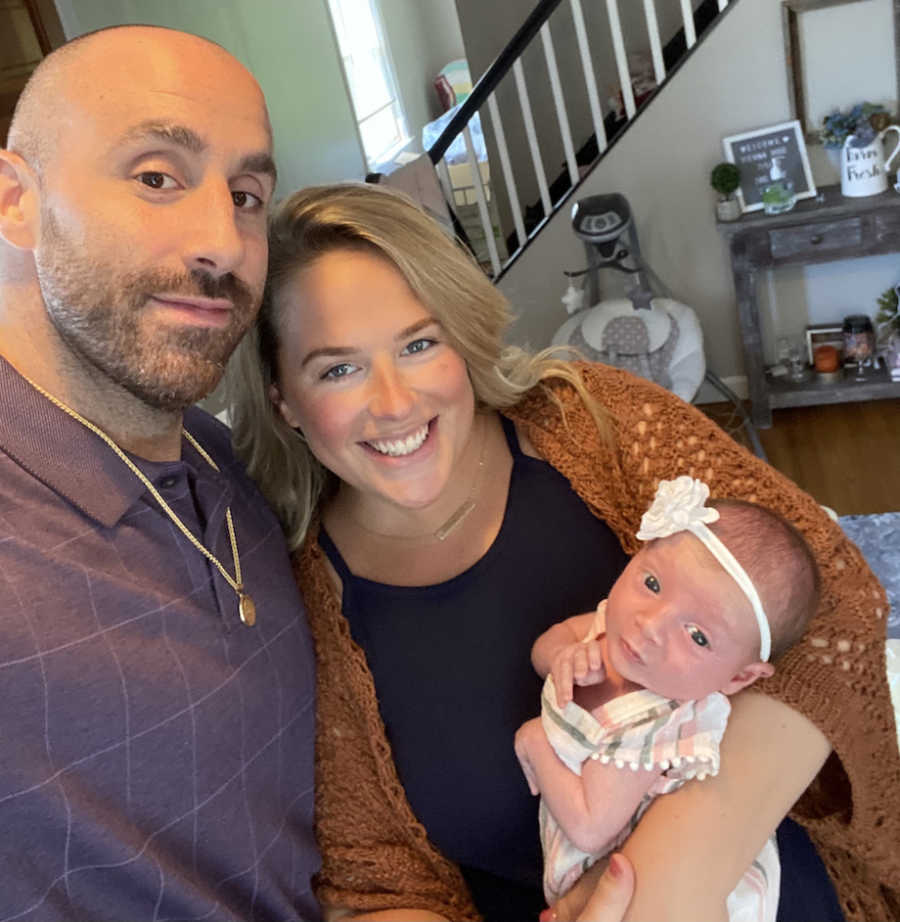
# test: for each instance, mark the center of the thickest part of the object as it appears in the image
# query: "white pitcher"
(863, 170)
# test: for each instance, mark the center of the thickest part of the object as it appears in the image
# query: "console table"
(822, 229)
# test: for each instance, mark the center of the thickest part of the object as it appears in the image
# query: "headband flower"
(679, 505)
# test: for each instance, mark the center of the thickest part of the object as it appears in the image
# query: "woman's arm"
(692, 846)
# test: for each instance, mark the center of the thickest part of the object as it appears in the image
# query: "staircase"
(578, 124)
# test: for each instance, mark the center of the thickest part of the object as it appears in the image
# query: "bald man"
(156, 670)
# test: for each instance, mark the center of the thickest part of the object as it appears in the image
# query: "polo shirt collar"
(62, 453)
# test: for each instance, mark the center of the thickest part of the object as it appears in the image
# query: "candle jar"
(859, 342)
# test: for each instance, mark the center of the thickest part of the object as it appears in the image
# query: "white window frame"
(374, 159)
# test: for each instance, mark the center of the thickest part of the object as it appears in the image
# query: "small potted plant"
(725, 179)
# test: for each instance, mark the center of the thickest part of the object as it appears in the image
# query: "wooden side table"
(818, 230)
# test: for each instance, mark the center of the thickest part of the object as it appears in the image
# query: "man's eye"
(418, 345)
(246, 201)
(698, 636)
(156, 180)
(651, 582)
(337, 371)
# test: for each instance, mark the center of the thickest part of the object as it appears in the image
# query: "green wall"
(289, 46)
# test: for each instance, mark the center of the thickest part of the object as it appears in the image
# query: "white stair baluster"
(503, 151)
(615, 27)
(589, 79)
(482, 201)
(444, 179)
(560, 102)
(659, 67)
(687, 14)
(528, 118)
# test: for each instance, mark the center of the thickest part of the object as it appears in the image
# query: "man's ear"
(20, 211)
(282, 408)
(747, 676)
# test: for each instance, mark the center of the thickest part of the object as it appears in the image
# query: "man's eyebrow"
(259, 163)
(168, 133)
(187, 138)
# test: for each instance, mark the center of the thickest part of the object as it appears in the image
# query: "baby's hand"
(576, 664)
(523, 751)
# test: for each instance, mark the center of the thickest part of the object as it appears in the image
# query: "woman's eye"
(337, 371)
(246, 201)
(155, 180)
(418, 345)
(698, 636)
(651, 582)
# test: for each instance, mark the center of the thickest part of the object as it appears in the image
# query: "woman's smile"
(368, 376)
(401, 446)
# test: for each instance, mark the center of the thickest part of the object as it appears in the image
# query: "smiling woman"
(450, 498)
(381, 397)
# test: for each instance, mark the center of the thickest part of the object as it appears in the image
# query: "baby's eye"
(418, 345)
(651, 582)
(698, 636)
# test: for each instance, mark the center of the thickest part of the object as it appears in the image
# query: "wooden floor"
(846, 455)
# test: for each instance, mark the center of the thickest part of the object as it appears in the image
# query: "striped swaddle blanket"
(643, 731)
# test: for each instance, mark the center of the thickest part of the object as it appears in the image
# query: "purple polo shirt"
(156, 759)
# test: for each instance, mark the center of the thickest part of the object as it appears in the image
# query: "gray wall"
(736, 81)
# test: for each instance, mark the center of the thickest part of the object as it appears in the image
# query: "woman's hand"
(602, 895)
(576, 664)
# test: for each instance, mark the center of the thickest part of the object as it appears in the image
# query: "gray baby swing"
(651, 335)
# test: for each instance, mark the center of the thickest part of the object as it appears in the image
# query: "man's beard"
(100, 315)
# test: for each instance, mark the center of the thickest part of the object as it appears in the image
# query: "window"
(370, 78)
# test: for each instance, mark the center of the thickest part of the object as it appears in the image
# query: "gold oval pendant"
(246, 609)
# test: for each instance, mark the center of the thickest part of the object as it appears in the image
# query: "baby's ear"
(747, 676)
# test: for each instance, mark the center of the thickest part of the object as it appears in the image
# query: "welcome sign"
(770, 155)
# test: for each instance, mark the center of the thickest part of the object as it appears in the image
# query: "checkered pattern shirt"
(157, 755)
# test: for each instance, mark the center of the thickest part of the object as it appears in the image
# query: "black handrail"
(492, 76)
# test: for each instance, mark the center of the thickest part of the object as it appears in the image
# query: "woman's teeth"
(398, 447)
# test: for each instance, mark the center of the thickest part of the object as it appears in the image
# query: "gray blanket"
(878, 537)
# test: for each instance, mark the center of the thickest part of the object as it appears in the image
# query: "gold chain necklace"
(246, 608)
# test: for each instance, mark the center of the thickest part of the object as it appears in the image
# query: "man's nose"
(389, 394)
(214, 240)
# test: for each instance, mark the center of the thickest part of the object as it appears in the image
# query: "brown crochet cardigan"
(376, 855)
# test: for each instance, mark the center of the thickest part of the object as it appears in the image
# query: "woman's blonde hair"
(444, 277)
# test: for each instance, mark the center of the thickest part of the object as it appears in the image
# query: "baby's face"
(678, 624)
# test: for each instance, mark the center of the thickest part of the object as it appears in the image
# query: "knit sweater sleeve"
(375, 853)
(835, 675)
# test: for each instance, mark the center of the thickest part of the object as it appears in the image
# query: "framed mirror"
(838, 57)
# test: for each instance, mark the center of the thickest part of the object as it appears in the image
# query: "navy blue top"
(453, 673)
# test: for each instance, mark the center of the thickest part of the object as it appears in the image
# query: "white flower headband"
(679, 506)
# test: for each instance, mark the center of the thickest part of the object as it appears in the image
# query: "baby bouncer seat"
(652, 335)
